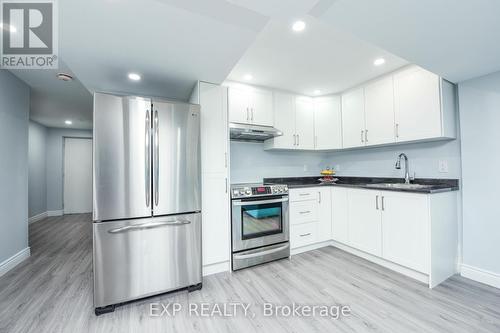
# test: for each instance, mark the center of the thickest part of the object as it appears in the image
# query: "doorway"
(77, 175)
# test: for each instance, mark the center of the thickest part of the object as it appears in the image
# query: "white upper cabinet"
(239, 105)
(284, 120)
(249, 105)
(261, 108)
(304, 123)
(353, 118)
(327, 123)
(418, 105)
(379, 112)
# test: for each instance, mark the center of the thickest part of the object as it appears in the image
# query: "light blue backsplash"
(37, 179)
(480, 119)
(14, 111)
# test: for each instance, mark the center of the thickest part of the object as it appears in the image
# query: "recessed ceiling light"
(134, 76)
(379, 61)
(68, 122)
(247, 77)
(64, 77)
(317, 92)
(298, 26)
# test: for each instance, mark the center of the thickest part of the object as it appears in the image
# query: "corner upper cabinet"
(327, 123)
(250, 105)
(424, 105)
(353, 118)
(379, 112)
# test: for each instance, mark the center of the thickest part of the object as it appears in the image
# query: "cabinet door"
(325, 214)
(214, 139)
(417, 104)
(365, 221)
(379, 112)
(327, 123)
(284, 120)
(261, 108)
(340, 221)
(239, 105)
(353, 118)
(215, 219)
(405, 229)
(304, 122)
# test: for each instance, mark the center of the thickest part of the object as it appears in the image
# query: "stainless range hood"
(252, 133)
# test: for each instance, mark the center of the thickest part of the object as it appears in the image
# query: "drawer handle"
(305, 212)
(304, 194)
(304, 235)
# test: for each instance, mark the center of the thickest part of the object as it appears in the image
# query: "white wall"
(480, 118)
(37, 178)
(55, 165)
(14, 111)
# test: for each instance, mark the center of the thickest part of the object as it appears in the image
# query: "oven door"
(259, 222)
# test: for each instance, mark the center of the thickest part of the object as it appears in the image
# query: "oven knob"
(248, 192)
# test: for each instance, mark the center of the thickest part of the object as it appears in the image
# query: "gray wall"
(250, 163)
(55, 164)
(480, 119)
(37, 179)
(14, 111)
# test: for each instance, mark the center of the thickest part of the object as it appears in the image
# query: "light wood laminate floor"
(52, 292)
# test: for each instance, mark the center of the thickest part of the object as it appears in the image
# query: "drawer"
(301, 194)
(303, 212)
(303, 234)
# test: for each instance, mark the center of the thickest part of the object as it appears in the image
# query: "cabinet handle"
(397, 130)
(304, 194)
(362, 131)
(305, 212)
(366, 135)
(376, 202)
(319, 197)
(226, 185)
(383, 204)
(304, 235)
(294, 140)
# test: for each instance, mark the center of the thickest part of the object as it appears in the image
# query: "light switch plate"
(443, 166)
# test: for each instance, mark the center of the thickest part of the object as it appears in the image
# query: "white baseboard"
(480, 275)
(13, 261)
(216, 268)
(54, 213)
(38, 217)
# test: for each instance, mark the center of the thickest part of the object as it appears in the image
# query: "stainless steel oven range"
(260, 224)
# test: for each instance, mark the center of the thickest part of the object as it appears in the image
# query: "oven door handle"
(258, 202)
(258, 254)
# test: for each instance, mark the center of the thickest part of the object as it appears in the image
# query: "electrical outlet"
(306, 168)
(443, 166)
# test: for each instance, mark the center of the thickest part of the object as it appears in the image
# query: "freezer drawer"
(143, 257)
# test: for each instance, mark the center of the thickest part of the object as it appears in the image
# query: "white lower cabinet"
(412, 233)
(365, 221)
(405, 229)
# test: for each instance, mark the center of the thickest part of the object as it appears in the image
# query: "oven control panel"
(242, 191)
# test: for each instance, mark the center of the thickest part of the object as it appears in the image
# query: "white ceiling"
(318, 58)
(53, 101)
(457, 39)
(171, 43)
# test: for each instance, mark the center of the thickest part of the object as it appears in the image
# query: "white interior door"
(77, 175)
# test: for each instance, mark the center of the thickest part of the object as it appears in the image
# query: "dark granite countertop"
(430, 185)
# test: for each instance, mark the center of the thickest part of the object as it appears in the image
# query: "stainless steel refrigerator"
(147, 198)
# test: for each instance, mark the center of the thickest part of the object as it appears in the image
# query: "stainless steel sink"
(400, 186)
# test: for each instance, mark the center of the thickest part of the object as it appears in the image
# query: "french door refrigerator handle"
(156, 158)
(148, 159)
(148, 225)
